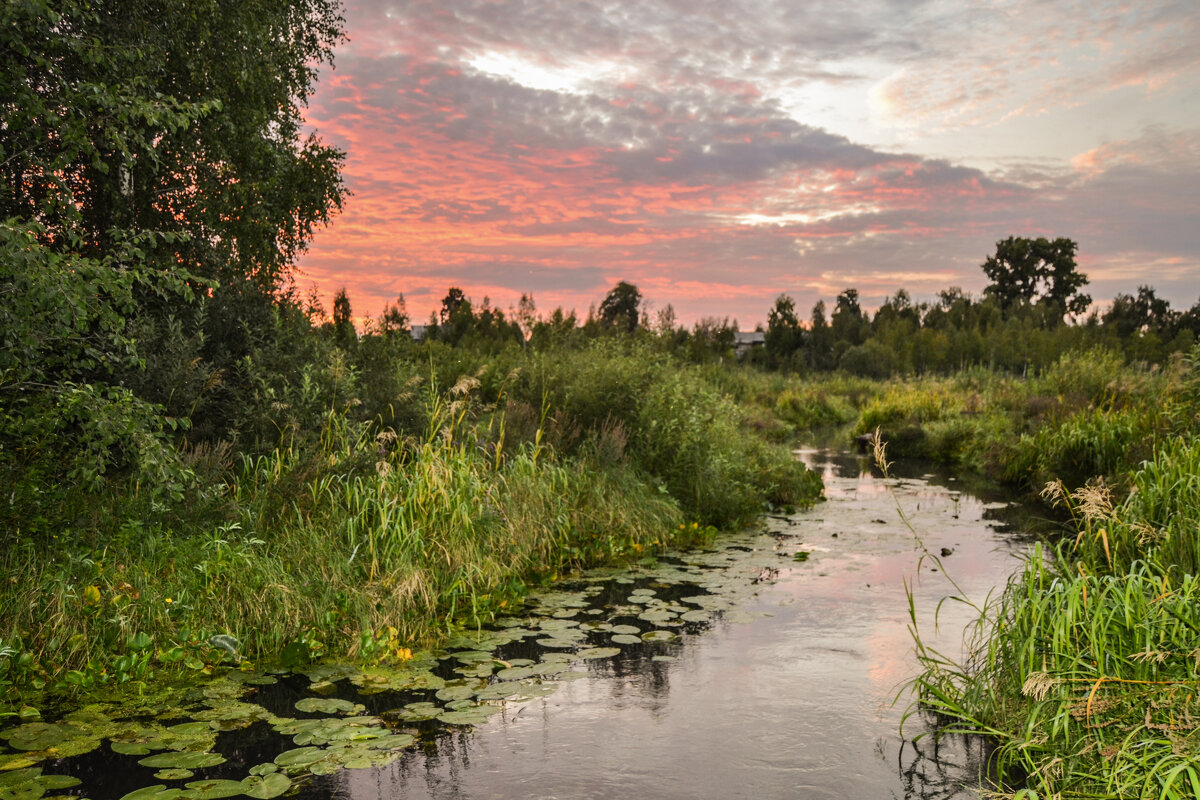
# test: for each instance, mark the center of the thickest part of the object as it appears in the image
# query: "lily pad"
(514, 673)
(20, 776)
(392, 741)
(628, 630)
(155, 792)
(599, 652)
(326, 705)
(462, 692)
(562, 644)
(174, 774)
(213, 789)
(130, 748)
(625, 638)
(474, 716)
(187, 759)
(190, 729)
(472, 656)
(300, 757)
(268, 786)
(36, 736)
(659, 636)
(25, 791)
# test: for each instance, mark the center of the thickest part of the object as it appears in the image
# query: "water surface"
(790, 697)
(783, 652)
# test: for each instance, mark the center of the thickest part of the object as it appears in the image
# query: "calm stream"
(777, 683)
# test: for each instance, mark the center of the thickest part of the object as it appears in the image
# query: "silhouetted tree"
(1036, 270)
(621, 307)
(783, 335)
(394, 318)
(343, 322)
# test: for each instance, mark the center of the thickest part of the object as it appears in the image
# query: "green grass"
(354, 539)
(1086, 669)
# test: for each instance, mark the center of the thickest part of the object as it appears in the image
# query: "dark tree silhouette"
(621, 307)
(1036, 270)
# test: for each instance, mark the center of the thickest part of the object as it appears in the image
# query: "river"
(778, 683)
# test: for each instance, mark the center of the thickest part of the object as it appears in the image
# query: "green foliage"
(1037, 271)
(621, 307)
(62, 424)
(1084, 670)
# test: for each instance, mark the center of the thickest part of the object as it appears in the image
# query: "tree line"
(1032, 311)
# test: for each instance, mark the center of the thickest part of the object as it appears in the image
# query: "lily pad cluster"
(473, 677)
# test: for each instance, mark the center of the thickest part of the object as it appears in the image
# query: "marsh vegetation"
(203, 469)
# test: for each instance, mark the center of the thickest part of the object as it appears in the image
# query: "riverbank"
(1085, 669)
(363, 540)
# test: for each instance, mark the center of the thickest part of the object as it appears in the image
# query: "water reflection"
(786, 693)
(794, 704)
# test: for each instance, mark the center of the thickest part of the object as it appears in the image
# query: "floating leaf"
(16, 761)
(213, 789)
(20, 776)
(599, 652)
(472, 656)
(187, 759)
(156, 792)
(514, 673)
(268, 786)
(629, 630)
(625, 638)
(36, 736)
(562, 644)
(659, 636)
(190, 729)
(300, 757)
(326, 705)
(392, 741)
(130, 748)
(174, 774)
(474, 716)
(58, 781)
(450, 693)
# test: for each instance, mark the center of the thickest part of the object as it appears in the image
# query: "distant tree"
(849, 323)
(394, 318)
(343, 321)
(665, 323)
(1036, 270)
(712, 338)
(818, 351)
(452, 304)
(783, 336)
(556, 330)
(456, 318)
(526, 315)
(1130, 315)
(621, 307)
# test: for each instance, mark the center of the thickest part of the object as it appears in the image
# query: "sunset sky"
(719, 152)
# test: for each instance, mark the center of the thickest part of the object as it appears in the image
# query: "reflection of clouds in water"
(795, 704)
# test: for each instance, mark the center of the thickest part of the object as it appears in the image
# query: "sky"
(718, 153)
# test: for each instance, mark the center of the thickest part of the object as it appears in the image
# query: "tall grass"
(354, 533)
(1086, 670)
